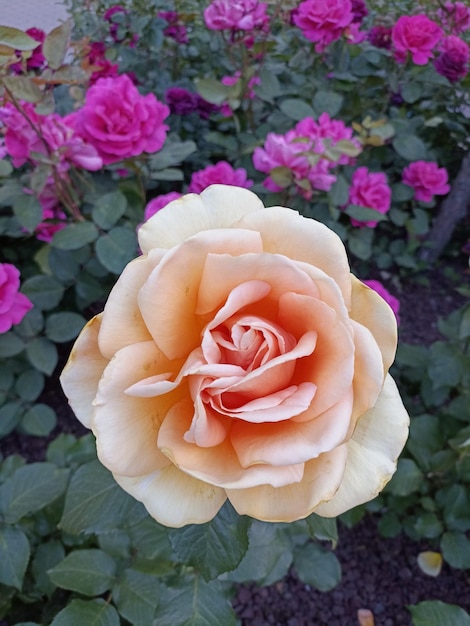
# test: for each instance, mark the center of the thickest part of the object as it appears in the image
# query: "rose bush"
(239, 358)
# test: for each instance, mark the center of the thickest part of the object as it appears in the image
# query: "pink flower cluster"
(427, 179)
(302, 152)
(36, 60)
(416, 35)
(183, 102)
(120, 122)
(13, 304)
(233, 15)
(324, 21)
(455, 17)
(453, 59)
(370, 190)
(221, 173)
(392, 301)
(47, 135)
(96, 61)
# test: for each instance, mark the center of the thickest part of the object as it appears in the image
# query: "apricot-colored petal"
(126, 427)
(292, 442)
(122, 323)
(218, 465)
(322, 477)
(168, 298)
(218, 206)
(173, 498)
(81, 374)
(373, 451)
(371, 310)
(331, 366)
(286, 232)
(223, 272)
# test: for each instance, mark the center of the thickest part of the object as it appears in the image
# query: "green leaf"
(411, 92)
(47, 556)
(172, 154)
(194, 602)
(270, 86)
(328, 102)
(389, 524)
(323, 528)
(30, 489)
(95, 503)
(268, 558)
(116, 249)
(91, 612)
(317, 566)
(75, 236)
(90, 572)
(150, 540)
(23, 88)
(63, 265)
(364, 214)
(65, 326)
(29, 385)
(42, 354)
(437, 613)
(215, 547)
(136, 596)
(39, 420)
(56, 45)
(10, 345)
(296, 109)
(10, 415)
(410, 147)
(28, 211)
(44, 292)
(407, 479)
(360, 243)
(17, 39)
(14, 556)
(6, 168)
(455, 548)
(339, 192)
(212, 90)
(109, 209)
(170, 174)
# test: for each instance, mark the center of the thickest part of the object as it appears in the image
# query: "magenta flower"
(221, 173)
(97, 62)
(285, 151)
(380, 37)
(13, 304)
(394, 303)
(359, 10)
(453, 59)
(323, 21)
(427, 179)
(417, 35)
(455, 16)
(37, 60)
(159, 203)
(120, 122)
(232, 15)
(181, 101)
(370, 190)
(175, 29)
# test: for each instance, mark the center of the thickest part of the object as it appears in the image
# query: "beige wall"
(44, 14)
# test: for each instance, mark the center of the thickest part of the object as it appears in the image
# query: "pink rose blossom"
(37, 60)
(380, 37)
(453, 59)
(282, 151)
(370, 190)
(359, 10)
(236, 15)
(97, 62)
(323, 21)
(393, 302)
(455, 16)
(159, 203)
(119, 122)
(417, 35)
(427, 179)
(175, 29)
(220, 173)
(13, 304)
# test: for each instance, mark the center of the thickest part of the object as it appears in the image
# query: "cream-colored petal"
(122, 323)
(168, 298)
(371, 310)
(81, 374)
(173, 498)
(322, 477)
(286, 232)
(218, 206)
(126, 427)
(373, 451)
(292, 442)
(218, 465)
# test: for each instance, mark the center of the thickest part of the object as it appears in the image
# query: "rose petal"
(373, 450)
(80, 377)
(322, 477)
(192, 214)
(218, 465)
(174, 498)
(309, 241)
(122, 323)
(126, 427)
(168, 298)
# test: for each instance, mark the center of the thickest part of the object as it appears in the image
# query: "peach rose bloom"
(239, 358)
